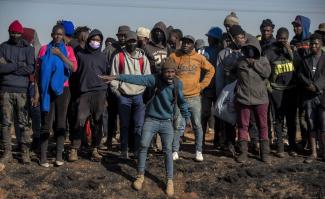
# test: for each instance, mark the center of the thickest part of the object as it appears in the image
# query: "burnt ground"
(217, 177)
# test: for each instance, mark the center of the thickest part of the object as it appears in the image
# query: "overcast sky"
(192, 16)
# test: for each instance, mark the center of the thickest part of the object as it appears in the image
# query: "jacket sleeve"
(219, 80)
(320, 81)
(262, 67)
(115, 65)
(7, 67)
(302, 79)
(28, 67)
(207, 66)
(143, 80)
(182, 104)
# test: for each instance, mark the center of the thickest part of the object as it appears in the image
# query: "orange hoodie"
(189, 68)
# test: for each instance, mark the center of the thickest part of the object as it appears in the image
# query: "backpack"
(121, 67)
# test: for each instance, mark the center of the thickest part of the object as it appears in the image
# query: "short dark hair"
(282, 30)
(81, 29)
(266, 23)
(178, 32)
(315, 36)
(57, 27)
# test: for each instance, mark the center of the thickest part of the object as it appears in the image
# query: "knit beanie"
(169, 64)
(231, 19)
(143, 32)
(68, 28)
(16, 26)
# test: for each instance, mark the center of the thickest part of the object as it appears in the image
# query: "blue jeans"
(131, 107)
(194, 105)
(165, 129)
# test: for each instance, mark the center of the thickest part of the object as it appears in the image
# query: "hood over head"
(91, 35)
(254, 43)
(161, 26)
(304, 22)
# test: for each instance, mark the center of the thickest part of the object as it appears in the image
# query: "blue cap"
(68, 27)
(215, 32)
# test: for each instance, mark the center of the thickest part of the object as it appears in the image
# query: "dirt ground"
(218, 176)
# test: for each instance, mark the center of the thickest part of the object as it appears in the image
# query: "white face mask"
(94, 44)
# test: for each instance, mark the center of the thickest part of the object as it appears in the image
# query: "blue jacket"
(161, 107)
(53, 74)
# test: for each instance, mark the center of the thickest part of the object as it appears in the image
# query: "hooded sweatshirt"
(300, 40)
(156, 53)
(91, 64)
(252, 80)
(131, 67)
(14, 74)
(189, 68)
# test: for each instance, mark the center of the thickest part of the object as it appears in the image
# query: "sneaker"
(45, 164)
(170, 188)
(137, 184)
(59, 163)
(95, 156)
(199, 156)
(175, 156)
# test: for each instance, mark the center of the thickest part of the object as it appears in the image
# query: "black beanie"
(236, 30)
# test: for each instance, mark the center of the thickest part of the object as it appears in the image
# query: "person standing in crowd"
(174, 40)
(229, 21)
(225, 133)
(54, 91)
(159, 116)
(321, 32)
(143, 37)
(300, 45)
(109, 41)
(91, 63)
(80, 34)
(69, 32)
(130, 61)
(199, 46)
(156, 49)
(253, 70)
(311, 77)
(16, 64)
(282, 89)
(112, 107)
(266, 28)
(208, 95)
(190, 64)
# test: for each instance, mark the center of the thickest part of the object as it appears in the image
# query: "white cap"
(143, 32)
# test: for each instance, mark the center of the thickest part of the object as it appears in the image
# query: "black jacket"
(20, 59)
(306, 78)
(91, 63)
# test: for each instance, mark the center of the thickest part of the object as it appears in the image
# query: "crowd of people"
(150, 85)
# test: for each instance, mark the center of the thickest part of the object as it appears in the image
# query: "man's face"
(58, 35)
(315, 46)
(297, 29)
(240, 40)
(121, 38)
(169, 75)
(15, 37)
(158, 36)
(282, 37)
(267, 32)
(142, 41)
(187, 45)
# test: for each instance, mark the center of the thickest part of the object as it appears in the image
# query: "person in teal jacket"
(159, 116)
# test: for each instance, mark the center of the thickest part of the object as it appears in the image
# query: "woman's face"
(57, 35)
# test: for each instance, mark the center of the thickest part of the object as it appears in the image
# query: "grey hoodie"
(131, 67)
(252, 80)
(156, 53)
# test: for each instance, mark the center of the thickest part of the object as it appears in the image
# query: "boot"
(170, 188)
(95, 156)
(265, 151)
(25, 157)
(280, 150)
(137, 184)
(73, 155)
(7, 155)
(322, 138)
(313, 155)
(242, 158)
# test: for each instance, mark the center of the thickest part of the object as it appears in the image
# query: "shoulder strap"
(141, 64)
(121, 66)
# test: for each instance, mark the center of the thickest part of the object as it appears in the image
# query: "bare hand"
(107, 78)
(35, 101)
(56, 51)
(287, 45)
(250, 61)
(312, 88)
(3, 60)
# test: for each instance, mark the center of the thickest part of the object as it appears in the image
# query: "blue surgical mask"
(94, 44)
